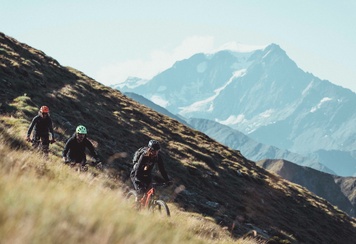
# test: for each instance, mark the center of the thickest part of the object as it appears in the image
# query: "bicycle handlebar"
(155, 184)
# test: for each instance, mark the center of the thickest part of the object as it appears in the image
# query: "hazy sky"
(110, 40)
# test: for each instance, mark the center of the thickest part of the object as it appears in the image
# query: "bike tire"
(161, 207)
(131, 197)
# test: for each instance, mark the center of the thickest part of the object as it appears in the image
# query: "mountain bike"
(149, 200)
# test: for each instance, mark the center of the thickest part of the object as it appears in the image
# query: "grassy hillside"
(48, 202)
(217, 194)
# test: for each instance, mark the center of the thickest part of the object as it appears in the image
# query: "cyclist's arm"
(50, 128)
(66, 148)
(91, 148)
(33, 123)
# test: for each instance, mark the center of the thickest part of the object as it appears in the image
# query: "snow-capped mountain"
(263, 94)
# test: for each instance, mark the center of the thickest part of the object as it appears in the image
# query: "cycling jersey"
(141, 174)
(41, 126)
(75, 151)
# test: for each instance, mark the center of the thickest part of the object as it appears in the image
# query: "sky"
(111, 40)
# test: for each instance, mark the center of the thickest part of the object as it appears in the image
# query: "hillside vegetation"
(44, 201)
(217, 195)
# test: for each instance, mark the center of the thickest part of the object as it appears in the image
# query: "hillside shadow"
(13, 143)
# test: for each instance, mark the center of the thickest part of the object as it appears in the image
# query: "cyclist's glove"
(95, 160)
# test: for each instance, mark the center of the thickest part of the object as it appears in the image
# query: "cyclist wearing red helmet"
(42, 125)
(141, 174)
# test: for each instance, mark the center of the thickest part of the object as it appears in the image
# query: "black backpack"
(138, 154)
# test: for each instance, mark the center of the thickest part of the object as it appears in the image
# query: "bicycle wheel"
(131, 197)
(161, 207)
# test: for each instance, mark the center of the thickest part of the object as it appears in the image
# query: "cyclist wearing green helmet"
(74, 150)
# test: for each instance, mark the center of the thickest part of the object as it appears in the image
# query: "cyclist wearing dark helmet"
(141, 173)
(41, 125)
(74, 150)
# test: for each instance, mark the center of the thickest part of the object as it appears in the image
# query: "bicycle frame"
(146, 199)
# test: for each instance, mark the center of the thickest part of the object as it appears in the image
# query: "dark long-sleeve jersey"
(41, 126)
(76, 150)
(143, 168)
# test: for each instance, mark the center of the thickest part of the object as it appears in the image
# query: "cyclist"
(42, 125)
(74, 150)
(141, 173)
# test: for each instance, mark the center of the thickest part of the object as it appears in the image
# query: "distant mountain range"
(264, 95)
(250, 148)
(340, 191)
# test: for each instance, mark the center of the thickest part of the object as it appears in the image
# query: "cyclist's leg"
(73, 158)
(140, 188)
(83, 162)
(45, 144)
(71, 161)
(35, 141)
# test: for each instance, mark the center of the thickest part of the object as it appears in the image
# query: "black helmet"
(154, 145)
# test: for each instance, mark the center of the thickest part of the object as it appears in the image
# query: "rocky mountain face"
(209, 178)
(340, 191)
(264, 95)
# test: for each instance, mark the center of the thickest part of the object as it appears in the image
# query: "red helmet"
(44, 109)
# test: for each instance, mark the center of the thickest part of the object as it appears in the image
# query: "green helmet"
(81, 129)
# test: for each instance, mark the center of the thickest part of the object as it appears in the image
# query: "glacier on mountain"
(159, 101)
(322, 101)
(207, 105)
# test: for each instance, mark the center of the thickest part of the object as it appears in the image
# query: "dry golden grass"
(44, 201)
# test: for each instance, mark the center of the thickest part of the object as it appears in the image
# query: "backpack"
(138, 154)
